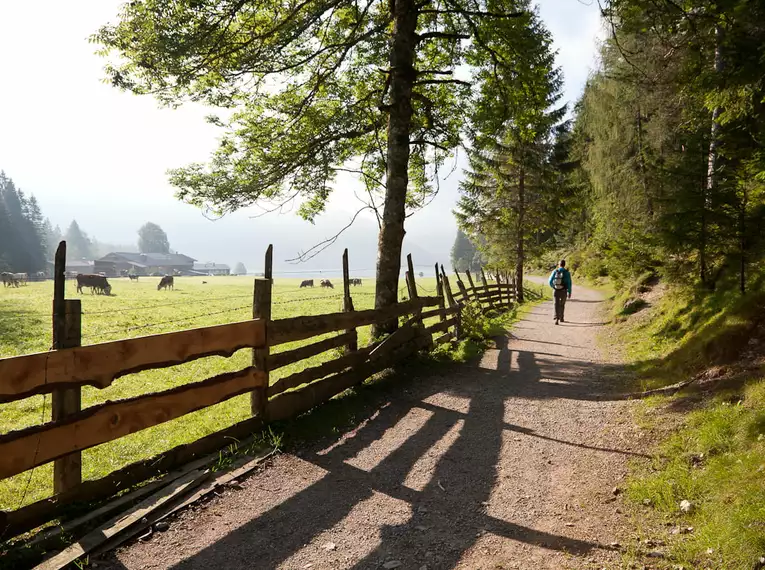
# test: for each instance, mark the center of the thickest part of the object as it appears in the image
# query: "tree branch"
(437, 81)
(431, 143)
(442, 35)
(322, 245)
(477, 13)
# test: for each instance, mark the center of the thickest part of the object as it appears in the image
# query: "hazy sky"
(90, 152)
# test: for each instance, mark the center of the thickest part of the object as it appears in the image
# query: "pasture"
(138, 309)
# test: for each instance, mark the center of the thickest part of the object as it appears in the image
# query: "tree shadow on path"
(447, 512)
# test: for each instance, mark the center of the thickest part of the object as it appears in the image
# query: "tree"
(23, 245)
(240, 269)
(152, 239)
(464, 253)
(508, 195)
(317, 88)
(78, 245)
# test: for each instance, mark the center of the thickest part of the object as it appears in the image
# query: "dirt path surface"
(508, 463)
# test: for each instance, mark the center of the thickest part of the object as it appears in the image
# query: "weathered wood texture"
(353, 342)
(301, 353)
(35, 514)
(316, 372)
(113, 420)
(296, 402)
(440, 312)
(67, 471)
(442, 326)
(124, 521)
(299, 328)
(99, 364)
(261, 309)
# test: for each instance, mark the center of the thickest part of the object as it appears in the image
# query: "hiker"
(560, 281)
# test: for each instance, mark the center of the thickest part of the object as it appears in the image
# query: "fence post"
(261, 309)
(462, 287)
(486, 291)
(452, 303)
(67, 333)
(440, 294)
(472, 288)
(353, 345)
(499, 287)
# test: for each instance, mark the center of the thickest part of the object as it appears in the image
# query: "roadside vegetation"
(704, 487)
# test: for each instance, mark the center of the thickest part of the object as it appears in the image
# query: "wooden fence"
(63, 371)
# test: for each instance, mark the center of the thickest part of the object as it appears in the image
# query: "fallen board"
(118, 524)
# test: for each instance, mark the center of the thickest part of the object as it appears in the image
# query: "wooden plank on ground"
(198, 452)
(316, 372)
(99, 364)
(299, 328)
(28, 448)
(122, 522)
(289, 356)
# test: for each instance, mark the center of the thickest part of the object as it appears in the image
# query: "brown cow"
(166, 282)
(306, 283)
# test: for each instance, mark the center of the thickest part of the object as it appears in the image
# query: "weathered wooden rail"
(66, 369)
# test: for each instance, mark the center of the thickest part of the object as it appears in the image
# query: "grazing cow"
(21, 278)
(133, 277)
(166, 282)
(327, 283)
(204, 282)
(306, 283)
(8, 279)
(97, 283)
(355, 281)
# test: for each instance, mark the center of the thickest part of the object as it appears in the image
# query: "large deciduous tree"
(152, 239)
(316, 87)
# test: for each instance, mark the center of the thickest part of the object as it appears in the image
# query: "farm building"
(210, 268)
(76, 266)
(114, 264)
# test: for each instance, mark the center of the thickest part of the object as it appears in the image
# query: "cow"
(133, 277)
(8, 279)
(97, 283)
(355, 281)
(21, 278)
(167, 282)
(327, 283)
(306, 283)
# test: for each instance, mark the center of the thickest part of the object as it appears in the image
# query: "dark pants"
(560, 303)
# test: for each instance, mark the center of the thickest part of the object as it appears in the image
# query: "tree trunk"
(402, 76)
(742, 240)
(519, 245)
(641, 162)
(712, 158)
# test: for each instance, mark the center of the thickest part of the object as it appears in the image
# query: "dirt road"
(509, 463)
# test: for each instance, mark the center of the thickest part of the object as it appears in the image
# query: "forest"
(660, 166)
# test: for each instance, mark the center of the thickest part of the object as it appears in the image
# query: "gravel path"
(508, 463)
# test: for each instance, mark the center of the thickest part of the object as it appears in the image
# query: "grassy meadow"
(137, 309)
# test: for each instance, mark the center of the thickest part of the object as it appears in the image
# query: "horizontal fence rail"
(427, 321)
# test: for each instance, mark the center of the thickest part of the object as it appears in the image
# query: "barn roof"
(150, 259)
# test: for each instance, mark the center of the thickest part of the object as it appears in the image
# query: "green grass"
(716, 457)
(138, 309)
(716, 461)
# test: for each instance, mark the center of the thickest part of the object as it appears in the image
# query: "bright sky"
(90, 152)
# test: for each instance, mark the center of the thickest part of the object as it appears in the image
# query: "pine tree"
(78, 245)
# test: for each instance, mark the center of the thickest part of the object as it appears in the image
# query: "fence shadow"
(449, 506)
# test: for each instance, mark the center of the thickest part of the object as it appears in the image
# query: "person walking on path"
(560, 281)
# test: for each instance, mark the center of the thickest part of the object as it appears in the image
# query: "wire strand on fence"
(288, 301)
(182, 320)
(426, 289)
(173, 304)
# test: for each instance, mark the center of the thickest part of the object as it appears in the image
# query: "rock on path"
(508, 463)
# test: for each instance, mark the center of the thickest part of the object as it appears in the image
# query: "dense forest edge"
(654, 188)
